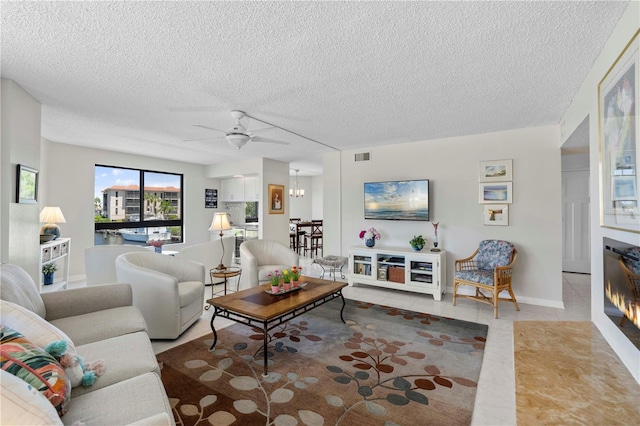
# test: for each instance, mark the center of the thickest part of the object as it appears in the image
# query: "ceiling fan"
(238, 135)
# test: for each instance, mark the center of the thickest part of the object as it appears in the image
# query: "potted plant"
(417, 242)
(295, 275)
(369, 236)
(47, 272)
(275, 281)
(286, 280)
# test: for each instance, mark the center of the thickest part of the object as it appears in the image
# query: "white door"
(576, 239)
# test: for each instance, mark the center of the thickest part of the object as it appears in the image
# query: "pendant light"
(296, 192)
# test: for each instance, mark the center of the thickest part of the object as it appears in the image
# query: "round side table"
(228, 272)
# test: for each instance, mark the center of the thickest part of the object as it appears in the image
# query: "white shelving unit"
(399, 268)
(57, 251)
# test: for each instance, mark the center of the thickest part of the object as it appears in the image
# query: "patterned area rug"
(386, 366)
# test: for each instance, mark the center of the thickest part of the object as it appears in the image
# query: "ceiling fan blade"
(267, 140)
(263, 129)
(202, 139)
(209, 128)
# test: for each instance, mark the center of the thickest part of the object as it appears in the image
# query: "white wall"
(69, 184)
(275, 226)
(451, 165)
(20, 145)
(317, 201)
(585, 104)
(302, 207)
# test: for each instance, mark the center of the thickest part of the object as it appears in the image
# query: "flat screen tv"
(397, 200)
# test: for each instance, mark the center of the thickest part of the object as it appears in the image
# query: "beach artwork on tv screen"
(397, 200)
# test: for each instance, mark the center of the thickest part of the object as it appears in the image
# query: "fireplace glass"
(622, 287)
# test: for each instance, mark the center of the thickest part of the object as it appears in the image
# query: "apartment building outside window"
(124, 216)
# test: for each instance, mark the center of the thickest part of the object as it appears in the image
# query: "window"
(125, 214)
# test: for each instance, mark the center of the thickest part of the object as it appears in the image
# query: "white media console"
(399, 268)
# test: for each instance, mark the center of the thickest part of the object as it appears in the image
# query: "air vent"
(363, 156)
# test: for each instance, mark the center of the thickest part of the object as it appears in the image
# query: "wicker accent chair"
(630, 265)
(490, 270)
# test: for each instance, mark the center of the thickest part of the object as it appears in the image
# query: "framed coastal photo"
(26, 185)
(498, 192)
(496, 214)
(496, 171)
(276, 199)
(619, 122)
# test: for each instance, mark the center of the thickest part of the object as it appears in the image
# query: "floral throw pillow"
(32, 364)
(494, 253)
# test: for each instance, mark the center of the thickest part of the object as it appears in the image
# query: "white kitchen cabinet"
(232, 189)
(251, 188)
(399, 268)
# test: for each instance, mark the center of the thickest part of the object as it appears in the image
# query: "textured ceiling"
(137, 76)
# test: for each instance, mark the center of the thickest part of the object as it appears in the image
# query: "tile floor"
(496, 395)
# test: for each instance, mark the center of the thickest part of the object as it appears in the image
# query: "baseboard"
(469, 291)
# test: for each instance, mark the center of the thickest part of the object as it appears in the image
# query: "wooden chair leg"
(455, 289)
(513, 299)
(495, 304)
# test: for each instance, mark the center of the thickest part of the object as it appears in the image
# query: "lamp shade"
(220, 222)
(50, 216)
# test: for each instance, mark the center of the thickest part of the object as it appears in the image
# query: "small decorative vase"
(287, 286)
(370, 242)
(275, 289)
(295, 283)
(157, 249)
(435, 244)
(47, 279)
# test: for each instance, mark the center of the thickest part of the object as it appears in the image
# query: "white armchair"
(261, 257)
(209, 254)
(100, 262)
(169, 291)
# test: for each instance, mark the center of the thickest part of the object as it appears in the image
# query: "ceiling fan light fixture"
(237, 139)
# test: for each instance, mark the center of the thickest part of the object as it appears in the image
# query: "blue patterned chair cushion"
(492, 253)
(476, 276)
(633, 264)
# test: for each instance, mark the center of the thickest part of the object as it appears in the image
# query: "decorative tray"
(288, 291)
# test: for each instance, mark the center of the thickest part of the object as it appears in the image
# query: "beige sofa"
(103, 325)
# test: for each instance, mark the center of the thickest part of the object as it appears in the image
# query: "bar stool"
(314, 239)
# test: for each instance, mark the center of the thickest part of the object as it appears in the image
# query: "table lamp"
(220, 223)
(50, 216)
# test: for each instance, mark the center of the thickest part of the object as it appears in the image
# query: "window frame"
(101, 226)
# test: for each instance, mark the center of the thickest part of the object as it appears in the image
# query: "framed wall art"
(618, 121)
(26, 185)
(276, 199)
(496, 214)
(496, 171)
(498, 192)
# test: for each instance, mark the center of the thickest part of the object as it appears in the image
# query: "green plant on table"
(295, 272)
(286, 276)
(274, 278)
(49, 268)
(417, 242)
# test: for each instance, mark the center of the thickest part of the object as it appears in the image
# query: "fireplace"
(621, 301)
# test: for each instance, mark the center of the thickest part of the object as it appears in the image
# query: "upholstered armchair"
(630, 266)
(210, 255)
(169, 291)
(261, 257)
(489, 270)
(100, 262)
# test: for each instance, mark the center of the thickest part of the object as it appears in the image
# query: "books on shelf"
(428, 279)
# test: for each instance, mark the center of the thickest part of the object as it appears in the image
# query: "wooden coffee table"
(256, 308)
